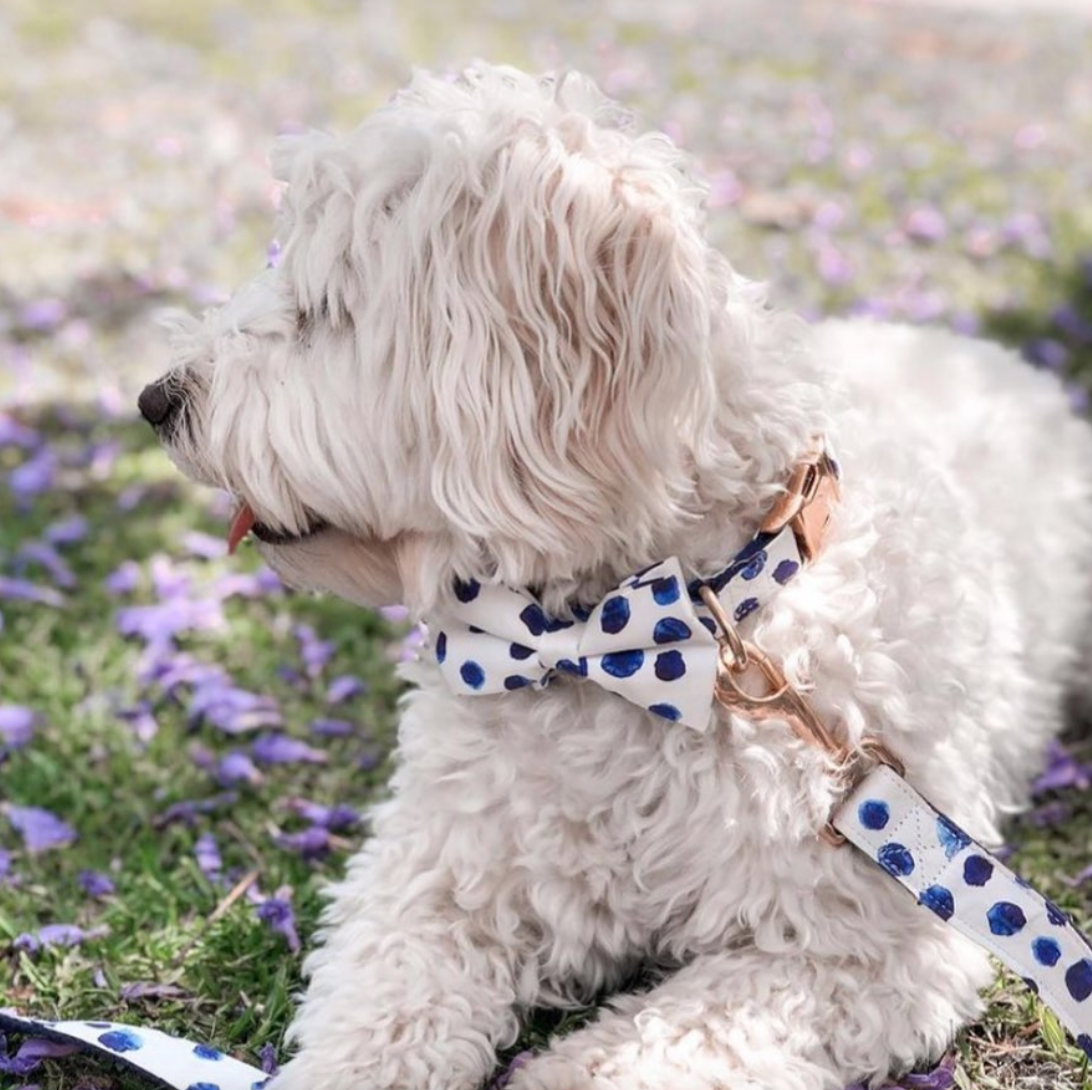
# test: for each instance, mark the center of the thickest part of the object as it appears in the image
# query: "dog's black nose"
(159, 401)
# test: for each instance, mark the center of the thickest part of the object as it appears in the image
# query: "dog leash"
(502, 640)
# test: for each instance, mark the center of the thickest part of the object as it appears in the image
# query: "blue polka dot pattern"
(754, 566)
(745, 608)
(615, 615)
(1056, 915)
(1006, 919)
(1047, 951)
(467, 591)
(441, 647)
(709, 623)
(1078, 979)
(472, 674)
(519, 652)
(671, 630)
(203, 1086)
(967, 888)
(951, 836)
(896, 859)
(623, 663)
(207, 1052)
(580, 669)
(785, 571)
(977, 870)
(1031, 985)
(121, 1040)
(667, 711)
(874, 814)
(939, 900)
(535, 620)
(665, 591)
(670, 666)
(1084, 1042)
(516, 681)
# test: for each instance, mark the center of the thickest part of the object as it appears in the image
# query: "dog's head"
(485, 351)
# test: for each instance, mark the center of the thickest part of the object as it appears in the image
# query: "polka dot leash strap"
(172, 1061)
(961, 882)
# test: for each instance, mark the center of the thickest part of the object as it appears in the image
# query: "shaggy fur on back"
(499, 347)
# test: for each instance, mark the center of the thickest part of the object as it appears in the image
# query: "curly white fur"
(499, 347)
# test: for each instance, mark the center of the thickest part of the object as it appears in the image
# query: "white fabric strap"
(971, 890)
(177, 1063)
(649, 640)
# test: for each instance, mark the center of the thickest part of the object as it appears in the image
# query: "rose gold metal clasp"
(781, 701)
(808, 502)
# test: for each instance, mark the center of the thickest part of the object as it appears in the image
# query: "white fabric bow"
(644, 641)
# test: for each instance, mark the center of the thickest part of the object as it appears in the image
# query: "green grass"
(70, 666)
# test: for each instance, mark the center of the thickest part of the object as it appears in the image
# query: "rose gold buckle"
(807, 504)
(782, 701)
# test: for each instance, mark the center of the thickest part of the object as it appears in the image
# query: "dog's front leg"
(751, 1020)
(409, 991)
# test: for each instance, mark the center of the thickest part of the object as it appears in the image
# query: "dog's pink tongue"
(241, 525)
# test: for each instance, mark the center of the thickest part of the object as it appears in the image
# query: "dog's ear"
(571, 357)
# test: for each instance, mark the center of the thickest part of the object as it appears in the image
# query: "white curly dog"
(499, 347)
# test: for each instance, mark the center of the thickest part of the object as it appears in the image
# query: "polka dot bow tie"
(650, 640)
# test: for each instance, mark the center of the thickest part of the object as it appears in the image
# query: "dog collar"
(653, 639)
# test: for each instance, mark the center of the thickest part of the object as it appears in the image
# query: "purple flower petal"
(277, 913)
(1047, 352)
(40, 829)
(334, 818)
(333, 728)
(925, 224)
(280, 749)
(95, 884)
(233, 710)
(5, 865)
(55, 934)
(314, 653)
(203, 546)
(67, 531)
(19, 590)
(187, 810)
(1061, 772)
(1080, 877)
(15, 434)
(237, 767)
(43, 555)
(208, 857)
(43, 315)
(267, 1058)
(124, 579)
(312, 843)
(16, 725)
(35, 476)
(344, 688)
(141, 719)
(247, 584)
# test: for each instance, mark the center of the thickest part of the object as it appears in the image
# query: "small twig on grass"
(233, 895)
